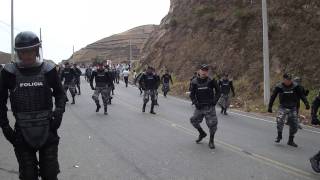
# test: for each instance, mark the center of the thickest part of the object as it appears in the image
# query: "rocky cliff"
(227, 34)
(116, 47)
(4, 57)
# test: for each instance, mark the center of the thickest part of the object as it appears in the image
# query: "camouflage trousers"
(71, 87)
(291, 115)
(209, 113)
(166, 87)
(105, 94)
(149, 94)
(224, 101)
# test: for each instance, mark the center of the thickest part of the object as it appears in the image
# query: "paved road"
(129, 144)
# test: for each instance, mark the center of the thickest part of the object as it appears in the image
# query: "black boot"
(315, 162)
(211, 142)
(222, 110)
(279, 137)
(225, 111)
(109, 101)
(144, 107)
(73, 101)
(105, 111)
(202, 135)
(291, 142)
(98, 107)
(152, 109)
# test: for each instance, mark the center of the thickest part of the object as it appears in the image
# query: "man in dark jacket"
(205, 93)
(68, 75)
(165, 80)
(32, 84)
(77, 79)
(149, 84)
(103, 83)
(226, 86)
(289, 95)
(315, 160)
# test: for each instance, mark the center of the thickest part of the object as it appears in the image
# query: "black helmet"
(28, 41)
(287, 76)
(204, 67)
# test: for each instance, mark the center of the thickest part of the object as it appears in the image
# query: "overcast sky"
(65, 23)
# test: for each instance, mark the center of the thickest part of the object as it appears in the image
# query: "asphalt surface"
(128, 144)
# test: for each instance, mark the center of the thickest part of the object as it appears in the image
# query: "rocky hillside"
(4, 58)
(228, 36)
(116, 47)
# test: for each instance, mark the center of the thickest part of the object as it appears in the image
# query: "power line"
(7, 24)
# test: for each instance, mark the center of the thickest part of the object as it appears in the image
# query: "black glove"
(9, 134)
(270, 109)
(56, 119)
(197, 105)
(307, 106)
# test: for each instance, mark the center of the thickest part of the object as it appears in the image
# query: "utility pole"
(12, 33)
(266, 64)
(40, 35)
(72, 53)
(130, 60)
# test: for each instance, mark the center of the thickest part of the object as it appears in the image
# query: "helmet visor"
(28, 57)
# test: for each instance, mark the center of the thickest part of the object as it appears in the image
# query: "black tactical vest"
(31, 101)
(69, 75)
(150, 81)
(225, 86)
(204, 93)
(101, 79)
(288, 96)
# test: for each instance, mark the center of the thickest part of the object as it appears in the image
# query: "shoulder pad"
(11, 68)
(194, 81)
(47, 66)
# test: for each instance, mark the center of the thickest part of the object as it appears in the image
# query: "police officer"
(77, 79)
(111, 86)
(88, 73)
(32, 84)
(148, 82)
(103, 83)
(289, 95)
(68, 75)
(225, 85)
(166, 79)
(315, 160)
(204, 94)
